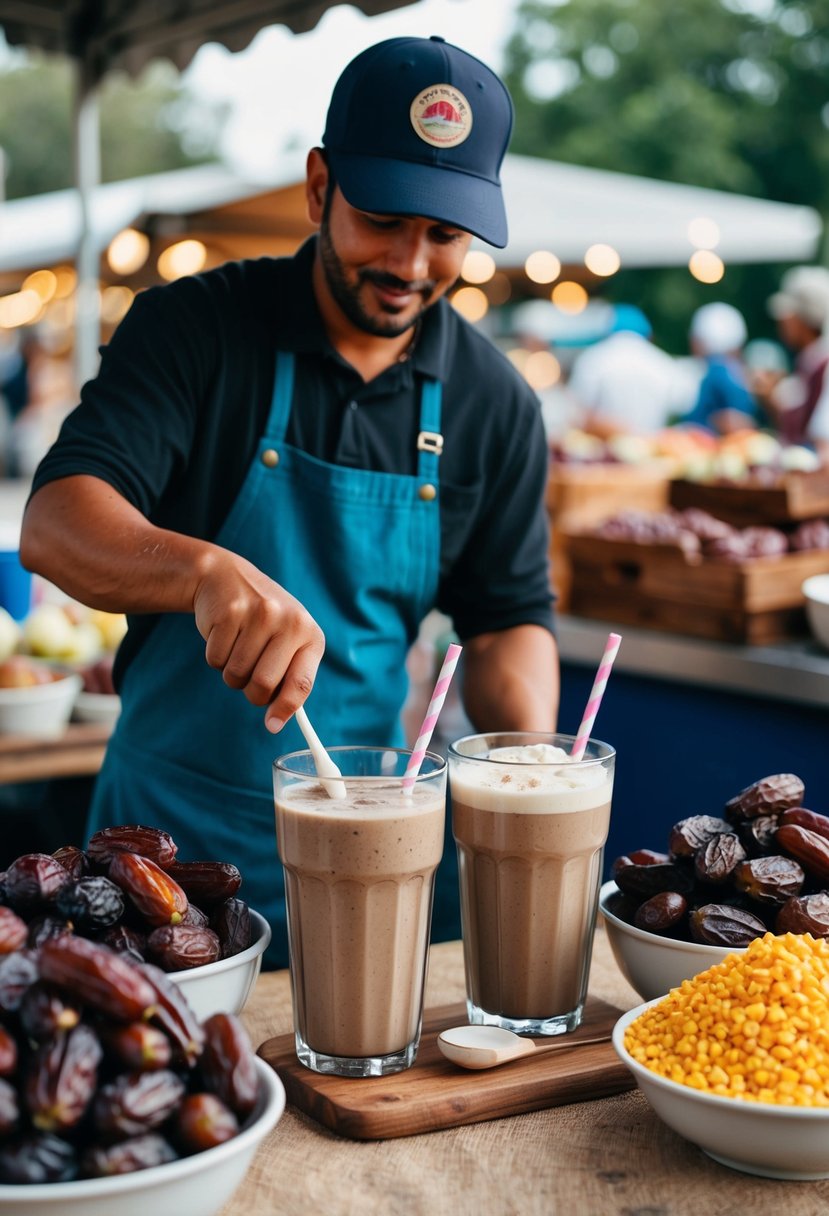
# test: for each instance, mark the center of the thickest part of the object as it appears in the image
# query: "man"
(282, 466)
(724, 401)
(625, 384)
(801, 309)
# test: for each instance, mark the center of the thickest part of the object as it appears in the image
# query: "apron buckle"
(430, 441)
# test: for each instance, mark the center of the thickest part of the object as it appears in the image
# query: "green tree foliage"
(729, 94)
(147, 126)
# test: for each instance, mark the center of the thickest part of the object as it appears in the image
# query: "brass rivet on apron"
(270, 457)
(428, 493)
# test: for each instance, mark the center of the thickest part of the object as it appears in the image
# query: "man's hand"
(261, 639)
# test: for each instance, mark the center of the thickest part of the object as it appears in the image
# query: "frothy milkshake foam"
(530, 824)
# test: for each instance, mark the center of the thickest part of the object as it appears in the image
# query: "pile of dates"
(128, 891)
(695, 531)
(763, 866)
(104, 1068)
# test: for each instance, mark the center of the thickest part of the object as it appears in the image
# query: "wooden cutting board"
(434, 1094)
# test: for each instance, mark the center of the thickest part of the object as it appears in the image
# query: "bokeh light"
(542, 369)
(542, 267)
(471, 303)
(44, 282)
(19, 308)
(602, 260)
(704, 233)
(128, 251)
(706, 266)
(478, 267)
(185, 257)
(115, 301)
(569, 297)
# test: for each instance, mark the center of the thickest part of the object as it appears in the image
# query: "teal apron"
(361, 551)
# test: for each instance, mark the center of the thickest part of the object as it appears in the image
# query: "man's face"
(384, 271)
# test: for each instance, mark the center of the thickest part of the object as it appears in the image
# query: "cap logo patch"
(441, 116)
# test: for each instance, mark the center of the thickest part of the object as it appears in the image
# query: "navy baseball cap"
(417, 126)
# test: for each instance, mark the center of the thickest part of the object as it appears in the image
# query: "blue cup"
(15, 585)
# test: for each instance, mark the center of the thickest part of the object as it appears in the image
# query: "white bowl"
(816, 593)
(193, 1186)
(40, 710)
(224, 986)
(789, 1142)
(652, 964)
(103, 707)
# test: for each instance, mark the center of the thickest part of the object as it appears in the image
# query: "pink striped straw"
(596, 694)
(450, 662)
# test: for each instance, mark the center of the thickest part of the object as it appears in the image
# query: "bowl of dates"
(114, 1097)
(129, 891)
(758, 864)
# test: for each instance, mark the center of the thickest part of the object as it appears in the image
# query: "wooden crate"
(659, 586)
(581, 495)
(796, 496)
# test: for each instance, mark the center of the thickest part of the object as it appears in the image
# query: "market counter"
(694, 721)
(601, 1158)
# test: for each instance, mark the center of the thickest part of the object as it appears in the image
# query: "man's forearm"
(511, 680)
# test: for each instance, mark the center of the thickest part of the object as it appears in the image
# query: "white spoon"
(489, 1046)
(325, 765)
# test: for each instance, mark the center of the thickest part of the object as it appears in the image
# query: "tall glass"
(359, 882)
(530, 827)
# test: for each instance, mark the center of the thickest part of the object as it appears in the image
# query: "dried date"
(127, 1156)
(717, 860)
(43, 928)
(645, 881)
(202, 1121)
(757, 835)
(33, 882)
(91, 903)
(98, 976)
(61, 1079)
(37, 1157)
(123, 939)
(800, 817)
(768, 796)
(17, 972)
(639, 857)
(724, 925)
(181, 947)
(149, 842)
(694, 833)
(156, 896)
(9, 1109)
(231, 923)
(661, 913)
(206, 882)
(73, 860)
(136, 1102)
(228, 1064)
(172, 1013)
(44, 1010)
(811, 850)
(770, 880)
(138, 1046)
(13, 931)
(8, 1052)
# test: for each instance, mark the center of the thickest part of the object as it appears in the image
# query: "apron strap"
(429, 439)
(281, 398)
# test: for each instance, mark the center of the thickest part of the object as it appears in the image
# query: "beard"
(346, 294)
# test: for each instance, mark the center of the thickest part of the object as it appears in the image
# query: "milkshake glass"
(359, 880)
(530, 827)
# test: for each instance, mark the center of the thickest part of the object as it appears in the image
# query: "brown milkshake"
(530, 829)
(359, 875)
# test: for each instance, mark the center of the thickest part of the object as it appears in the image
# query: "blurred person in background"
(724, 403)
(625, 384)
(801, 310)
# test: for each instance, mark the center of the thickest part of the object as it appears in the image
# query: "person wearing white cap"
(801, 309)
(724, 402)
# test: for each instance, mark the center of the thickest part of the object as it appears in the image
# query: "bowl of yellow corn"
(736, 1059)
(650, 963)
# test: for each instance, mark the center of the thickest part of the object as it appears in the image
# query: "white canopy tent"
(558, 207)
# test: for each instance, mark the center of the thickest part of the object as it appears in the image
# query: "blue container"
(15, 585)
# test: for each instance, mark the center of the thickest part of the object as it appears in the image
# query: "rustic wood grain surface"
(609, 1157)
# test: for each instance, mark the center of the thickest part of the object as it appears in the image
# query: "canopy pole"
(87, 166)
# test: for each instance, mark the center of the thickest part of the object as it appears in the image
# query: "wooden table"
(77, 752)
(611, 1157)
